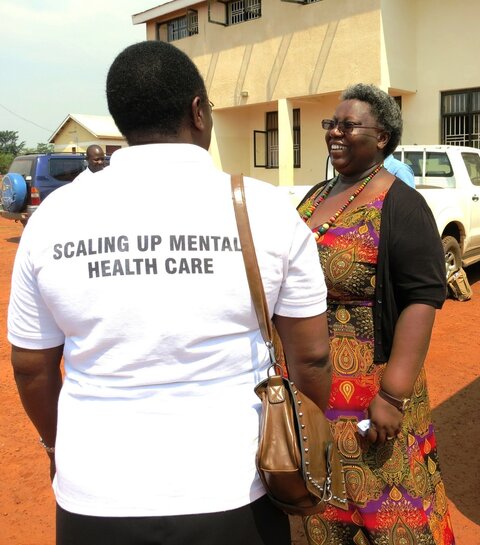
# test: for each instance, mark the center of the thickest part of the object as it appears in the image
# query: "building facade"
(275, 68)
(78, 131)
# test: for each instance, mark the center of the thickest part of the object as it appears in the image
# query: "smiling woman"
(383, 288)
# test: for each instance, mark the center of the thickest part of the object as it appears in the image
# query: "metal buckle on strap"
(271, 352)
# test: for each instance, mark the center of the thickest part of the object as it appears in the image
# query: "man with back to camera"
(154, 431)
(95, 162)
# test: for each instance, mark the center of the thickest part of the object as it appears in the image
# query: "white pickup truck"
(449, 179)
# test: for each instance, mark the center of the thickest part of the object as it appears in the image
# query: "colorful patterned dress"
(396, 494)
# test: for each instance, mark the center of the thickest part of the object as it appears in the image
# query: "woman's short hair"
(384, 108)
(150, 88)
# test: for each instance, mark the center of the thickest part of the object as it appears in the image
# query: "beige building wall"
(72, 135)
(430, 46)
(293, 56)
(291, 50)
(303, 56)
(448, 48)
(399, 46)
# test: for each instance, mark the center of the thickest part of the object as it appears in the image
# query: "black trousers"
(259, 523)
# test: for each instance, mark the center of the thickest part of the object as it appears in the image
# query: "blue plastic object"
(13, 192)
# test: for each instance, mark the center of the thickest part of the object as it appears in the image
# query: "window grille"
(239, 11)
(272, 139)
(461, 118)
(296, 138)
(182, 27)
(302, 1)
(265, 143)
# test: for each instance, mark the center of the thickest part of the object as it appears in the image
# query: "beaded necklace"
(322, 229)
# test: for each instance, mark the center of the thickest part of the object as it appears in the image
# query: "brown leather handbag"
(297, 459)
(458, 286)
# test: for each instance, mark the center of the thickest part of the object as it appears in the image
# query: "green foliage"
(10, 148)
(41, 148)
(9, 143)
(5, 161)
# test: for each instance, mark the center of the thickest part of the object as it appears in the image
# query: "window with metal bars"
(302, 1)
(239, 11)
(180, 27)
(265, 143)
(460, 113)
(272, 139)
(296, 138)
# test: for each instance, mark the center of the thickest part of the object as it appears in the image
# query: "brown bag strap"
(251, 264)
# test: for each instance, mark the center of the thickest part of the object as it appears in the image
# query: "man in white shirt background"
(95, 162)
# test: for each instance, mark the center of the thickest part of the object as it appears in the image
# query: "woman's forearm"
(410, 345)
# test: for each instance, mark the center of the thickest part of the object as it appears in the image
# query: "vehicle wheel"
(13, 192)
(453, 255)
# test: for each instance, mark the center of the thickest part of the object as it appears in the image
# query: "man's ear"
(198, 113)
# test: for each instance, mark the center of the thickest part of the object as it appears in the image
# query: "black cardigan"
(410, 265)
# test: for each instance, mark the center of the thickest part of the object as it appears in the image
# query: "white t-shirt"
(84, 175)
(138, 271)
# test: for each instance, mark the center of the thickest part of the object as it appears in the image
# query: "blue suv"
(31, 178)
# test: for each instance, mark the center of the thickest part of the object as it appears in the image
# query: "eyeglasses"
(345, 127)
(211, 104)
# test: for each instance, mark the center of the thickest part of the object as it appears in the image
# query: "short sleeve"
(303, 292)
(417, 259)
(30, 323)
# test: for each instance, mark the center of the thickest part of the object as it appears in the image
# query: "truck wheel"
(453, 255)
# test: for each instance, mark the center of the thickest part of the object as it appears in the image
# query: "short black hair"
(150, 88)
(384, 108)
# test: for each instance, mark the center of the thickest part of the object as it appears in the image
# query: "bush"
(5, 161)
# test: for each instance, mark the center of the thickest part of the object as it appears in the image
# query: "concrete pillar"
(285, 142)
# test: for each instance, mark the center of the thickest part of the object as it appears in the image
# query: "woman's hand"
(410, 345)
(385, 421)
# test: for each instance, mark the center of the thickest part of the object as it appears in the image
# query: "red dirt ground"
(453, 367)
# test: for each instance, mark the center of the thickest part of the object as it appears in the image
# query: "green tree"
(41, 148)
(9, 143)
(5, 161)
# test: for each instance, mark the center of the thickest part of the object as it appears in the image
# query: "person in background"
(153, 433)
(95, 162)
(384, 283)
(400, 170)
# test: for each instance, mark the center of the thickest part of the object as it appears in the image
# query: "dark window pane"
(460, 118)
